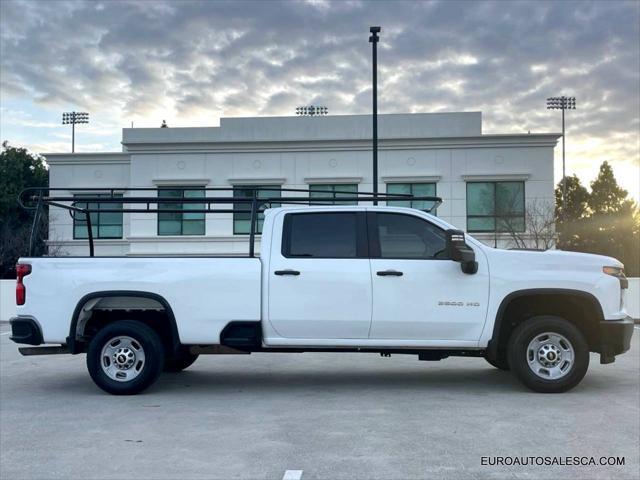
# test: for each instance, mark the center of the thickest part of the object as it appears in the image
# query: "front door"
(418, 294)
(320, 277)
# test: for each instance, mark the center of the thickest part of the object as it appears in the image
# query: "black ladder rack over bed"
(145, 200)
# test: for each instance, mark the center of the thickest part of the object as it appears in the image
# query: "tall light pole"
(562, 103)
(373, 39)
(71, 118)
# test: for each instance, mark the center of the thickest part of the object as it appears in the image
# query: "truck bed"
(203, 293)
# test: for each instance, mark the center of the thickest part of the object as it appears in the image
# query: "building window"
(181, 223)
(103, 224)
(495, 206)
(328, 192)
(416, 189)
(242, 220)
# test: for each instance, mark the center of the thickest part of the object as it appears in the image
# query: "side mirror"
(459, 251)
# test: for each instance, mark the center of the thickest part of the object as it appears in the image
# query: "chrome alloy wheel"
(122, 358)
(550, 355)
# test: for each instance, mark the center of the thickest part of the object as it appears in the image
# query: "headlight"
(617, 272)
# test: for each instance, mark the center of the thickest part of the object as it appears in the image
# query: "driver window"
(409, 237)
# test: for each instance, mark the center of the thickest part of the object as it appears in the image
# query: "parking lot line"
(292, 475)
(5, 333)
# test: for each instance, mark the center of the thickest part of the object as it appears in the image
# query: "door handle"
(389, 273)
(287, 272)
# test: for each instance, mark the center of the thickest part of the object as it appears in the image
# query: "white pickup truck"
(375, 279)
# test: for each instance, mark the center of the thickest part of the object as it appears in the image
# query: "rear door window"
(324, 235)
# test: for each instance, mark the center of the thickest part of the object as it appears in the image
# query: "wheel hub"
(124, 358)
(549, 355)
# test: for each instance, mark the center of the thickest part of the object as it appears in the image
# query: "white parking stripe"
(5, 333)
(292, 475)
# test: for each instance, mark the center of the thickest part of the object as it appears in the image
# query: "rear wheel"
(179, 362)
(548, 354)
(125, 357)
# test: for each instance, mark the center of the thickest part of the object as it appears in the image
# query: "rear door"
(320, 278)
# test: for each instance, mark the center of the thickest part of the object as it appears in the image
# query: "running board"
(52, 350)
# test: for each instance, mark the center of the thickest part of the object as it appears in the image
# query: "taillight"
(22, 270)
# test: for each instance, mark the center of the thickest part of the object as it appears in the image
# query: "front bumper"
(25, 330)
(614, 338)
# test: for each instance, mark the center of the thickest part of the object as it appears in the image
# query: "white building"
(484, 180)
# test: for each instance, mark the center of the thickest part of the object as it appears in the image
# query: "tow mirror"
(459, 251)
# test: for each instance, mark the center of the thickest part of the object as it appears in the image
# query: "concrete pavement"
(338, 416)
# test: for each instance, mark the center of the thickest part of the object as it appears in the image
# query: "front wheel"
(548, 354)
(125, 357)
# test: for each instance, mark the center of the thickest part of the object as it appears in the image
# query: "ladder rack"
(145, 200)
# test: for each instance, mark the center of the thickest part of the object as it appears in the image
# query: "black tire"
(184, 359)
(144, 338)
(499, 363)
(518, 354)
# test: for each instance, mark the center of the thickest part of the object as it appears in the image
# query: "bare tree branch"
(539, 227)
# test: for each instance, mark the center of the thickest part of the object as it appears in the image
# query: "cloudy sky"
(194, 62)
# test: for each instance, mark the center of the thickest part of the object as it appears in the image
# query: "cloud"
(192, 62)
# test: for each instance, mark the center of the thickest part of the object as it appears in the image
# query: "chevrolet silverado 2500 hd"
(331, 278)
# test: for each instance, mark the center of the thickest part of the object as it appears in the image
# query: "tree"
(614, 219)
(604, 221)
(539, 227)
(19, 169)
(572, 223)
(606, 195)
(577, 199)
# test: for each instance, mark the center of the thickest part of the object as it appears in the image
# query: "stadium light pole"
(562, 103)
(72, 118)
(373, 39)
